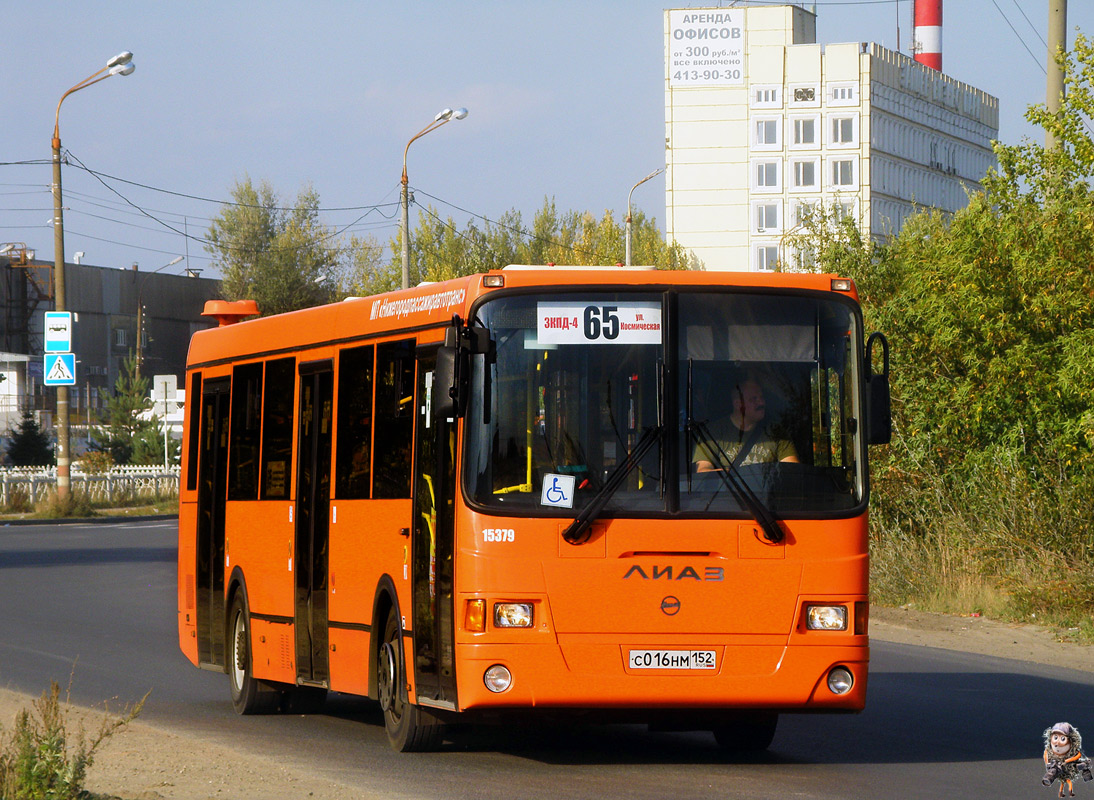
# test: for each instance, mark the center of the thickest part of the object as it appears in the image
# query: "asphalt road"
(97, 602)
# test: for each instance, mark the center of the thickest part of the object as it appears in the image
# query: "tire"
(410, 729)
(249, 695)
(752, 732)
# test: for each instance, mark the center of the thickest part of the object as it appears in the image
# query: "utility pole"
(1057, 41)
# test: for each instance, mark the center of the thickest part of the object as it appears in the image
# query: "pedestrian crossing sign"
(59, 369)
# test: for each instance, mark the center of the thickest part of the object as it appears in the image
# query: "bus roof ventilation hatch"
(229, 312)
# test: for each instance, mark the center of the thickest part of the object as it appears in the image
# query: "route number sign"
(615, 322)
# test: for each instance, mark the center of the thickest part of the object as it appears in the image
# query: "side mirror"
(445, 388)
(452, 375)
(879, 416)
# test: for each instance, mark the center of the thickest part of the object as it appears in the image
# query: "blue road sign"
(59, 369)
(58, 332)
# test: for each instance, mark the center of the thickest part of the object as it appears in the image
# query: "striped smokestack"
(927, 34)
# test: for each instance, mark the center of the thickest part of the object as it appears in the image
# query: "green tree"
(284, 258)
(440, 249)
(30, 446)
(988, 481)
(128, 436)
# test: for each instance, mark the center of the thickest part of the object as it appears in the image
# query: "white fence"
(119, 482)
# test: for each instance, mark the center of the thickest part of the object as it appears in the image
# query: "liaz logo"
(684, 574)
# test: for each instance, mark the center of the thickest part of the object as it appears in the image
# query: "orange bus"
(488, 496)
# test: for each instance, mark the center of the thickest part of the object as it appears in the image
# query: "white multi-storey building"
(763, 124)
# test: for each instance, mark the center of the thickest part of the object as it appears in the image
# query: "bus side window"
(394, 419)
(246, 426)
(277, 428)
(193, 417)
(354, 478)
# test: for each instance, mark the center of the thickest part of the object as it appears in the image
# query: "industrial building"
(106, 330)
(765, 126)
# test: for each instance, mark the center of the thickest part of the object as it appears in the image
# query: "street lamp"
(140, 312)
(627, 236)
(121, 64)
(445, 116)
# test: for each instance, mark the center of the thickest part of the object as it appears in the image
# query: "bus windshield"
(731, 394)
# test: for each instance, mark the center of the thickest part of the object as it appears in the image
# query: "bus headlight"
(840, 680)
(512, 615)
(826, 618)
(498, 678)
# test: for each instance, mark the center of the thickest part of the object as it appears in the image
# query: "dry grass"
(1008, 538)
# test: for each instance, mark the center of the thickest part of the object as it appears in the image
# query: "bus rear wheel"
(249, 695)
(410, 728)
(750, 733)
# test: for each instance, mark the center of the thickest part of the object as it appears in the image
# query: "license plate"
(672, 659)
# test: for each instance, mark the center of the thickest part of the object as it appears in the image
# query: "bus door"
(432, 547)
(212, 458)
(312, 521)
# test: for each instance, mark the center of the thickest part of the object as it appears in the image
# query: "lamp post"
(445, 116)
(121, 64)
(140, 312)
(627, 235)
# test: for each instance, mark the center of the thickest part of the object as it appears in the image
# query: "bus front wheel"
(410, 728)
(249, 695)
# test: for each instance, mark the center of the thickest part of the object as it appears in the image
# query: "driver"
(742, 435)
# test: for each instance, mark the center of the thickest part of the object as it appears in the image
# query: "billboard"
(706, 47)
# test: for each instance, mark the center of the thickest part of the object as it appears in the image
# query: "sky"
(566, 102)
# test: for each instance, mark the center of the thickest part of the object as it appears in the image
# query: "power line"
(1020, 39)
(130, 246)
(1031, 25)
(101, 175)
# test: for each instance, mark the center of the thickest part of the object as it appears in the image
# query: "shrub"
(18, 499)
(76, 504)
(96, 462)
(41, 759)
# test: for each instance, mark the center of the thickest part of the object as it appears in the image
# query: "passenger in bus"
(742, 434)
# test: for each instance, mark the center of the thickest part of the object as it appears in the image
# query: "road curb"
(87, 520)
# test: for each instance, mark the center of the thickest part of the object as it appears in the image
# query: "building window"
(766, 176)
(805, 173)
(765, 133)
(843, 94)
(843, 173)
(768, 96)
(803, 133)
(767, 216)
(844, 209)
(804, 211)
(802, 259)
(843, 131)
(121, 337)
(766, 256)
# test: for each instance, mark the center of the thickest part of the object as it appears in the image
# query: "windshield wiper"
(580, 529)
(730, 475)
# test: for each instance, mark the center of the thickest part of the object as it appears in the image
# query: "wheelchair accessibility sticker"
(558, 490)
